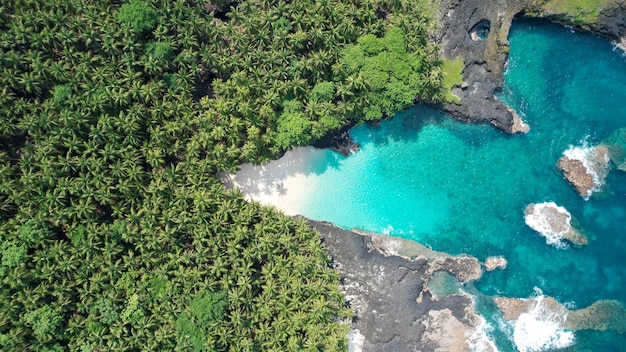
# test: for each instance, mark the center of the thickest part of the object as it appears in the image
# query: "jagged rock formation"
(576, 173)
(477, 31)
(493, 263)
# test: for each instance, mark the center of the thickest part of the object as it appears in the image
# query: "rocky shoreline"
(386, 282)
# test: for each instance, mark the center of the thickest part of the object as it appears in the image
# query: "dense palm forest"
(115, 117)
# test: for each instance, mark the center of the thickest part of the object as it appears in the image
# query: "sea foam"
(540, 329)
(355, 341)
(538, 219)
(595, 161)
(479, 339)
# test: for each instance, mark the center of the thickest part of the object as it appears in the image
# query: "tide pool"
(462, 188)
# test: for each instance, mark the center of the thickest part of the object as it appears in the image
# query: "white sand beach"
(281, 183)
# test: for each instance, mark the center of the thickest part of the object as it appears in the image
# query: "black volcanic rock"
(339, 141)
(388, 292)
(477, 31)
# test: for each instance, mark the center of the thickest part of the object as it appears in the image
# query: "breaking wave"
(540, 329)
(541, 222)
(595, 164)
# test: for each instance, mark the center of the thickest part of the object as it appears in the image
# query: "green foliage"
(160, 50)
(580, 11)
(191, 333)
(32, 233)
(199, 320)
(323, 91)
(293, 129)
(370, 45)
(12, 254)
(452, 76)
(373, 113)
(104, 311)
(44, 321)
(133, 311)
(209, 308)
(388, 77)
(138, 16)
(61, 93)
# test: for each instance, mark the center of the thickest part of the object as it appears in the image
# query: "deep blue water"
(462, 188)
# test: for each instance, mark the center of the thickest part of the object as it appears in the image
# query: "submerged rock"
(601, 315)
(585, 168)
(493, 263)
(616, 144)
(554, 223)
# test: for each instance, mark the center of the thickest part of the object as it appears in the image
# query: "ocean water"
(462, 188)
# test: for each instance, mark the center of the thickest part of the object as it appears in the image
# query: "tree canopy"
(115, 118)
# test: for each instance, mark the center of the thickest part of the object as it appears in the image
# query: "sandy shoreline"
(280, 183)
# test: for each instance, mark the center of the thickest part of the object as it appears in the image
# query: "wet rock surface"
(493, 263)
(554, 223)
(339, 141)
(394, 309)
(576, 173)
(585, 168)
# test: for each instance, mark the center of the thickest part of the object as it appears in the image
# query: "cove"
(462, 188)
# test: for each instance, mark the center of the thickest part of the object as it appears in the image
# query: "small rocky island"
(585, 168)
(554, 223)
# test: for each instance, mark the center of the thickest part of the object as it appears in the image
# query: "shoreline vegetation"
(116, 117)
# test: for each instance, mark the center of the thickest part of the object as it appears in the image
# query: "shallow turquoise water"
(462, 188)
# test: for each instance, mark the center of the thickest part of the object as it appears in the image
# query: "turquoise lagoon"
(462, 188)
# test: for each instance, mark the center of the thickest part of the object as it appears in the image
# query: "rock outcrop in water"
(554, 223)
(601, 315)
(339, 141)
(477, 31)
(585, 168)
(493, 263)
